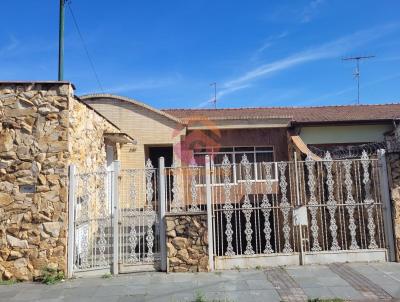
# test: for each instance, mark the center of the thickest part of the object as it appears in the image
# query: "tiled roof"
(323, 114)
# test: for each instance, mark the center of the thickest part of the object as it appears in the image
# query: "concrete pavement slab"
(319, 292)
(298, 283)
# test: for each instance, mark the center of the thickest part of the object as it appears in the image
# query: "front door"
(154, 153)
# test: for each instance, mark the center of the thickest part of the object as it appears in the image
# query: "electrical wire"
(84, 45)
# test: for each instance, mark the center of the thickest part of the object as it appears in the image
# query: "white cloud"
(222, 93)
(269, 42)
(310, 10)
(10, 47)
(325, 97)
(333, 49)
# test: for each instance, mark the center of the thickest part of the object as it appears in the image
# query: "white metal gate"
(280, 213)
(113, 223)
(139, 231)
(90, 221)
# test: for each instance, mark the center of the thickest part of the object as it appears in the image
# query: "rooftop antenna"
(215, 94)
(357, 71)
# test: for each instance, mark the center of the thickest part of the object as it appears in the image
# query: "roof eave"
(342, 122)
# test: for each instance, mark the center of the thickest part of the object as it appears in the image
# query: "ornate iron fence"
(297, 207)
(138, 219)
(294, 209)
(92, 248)
(257, 206)
(185, 189)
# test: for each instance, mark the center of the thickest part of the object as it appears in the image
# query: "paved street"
(356, 282)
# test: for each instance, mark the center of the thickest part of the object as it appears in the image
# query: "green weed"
(51, 276)
(106, 276)
(8, 282)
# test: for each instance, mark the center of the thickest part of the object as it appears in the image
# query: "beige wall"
(146, 126)
(344, 134)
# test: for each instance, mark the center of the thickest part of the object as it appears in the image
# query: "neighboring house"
(44, 128)
(323, 127)
(264, 134)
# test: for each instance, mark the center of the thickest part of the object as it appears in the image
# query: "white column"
(209, 214)
(161, 212)
(387, 207)
(71, 220)
(115, 220)
(298, 205)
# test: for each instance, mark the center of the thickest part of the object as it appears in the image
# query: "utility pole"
(215, 94)
(357, 71)
(61, 43)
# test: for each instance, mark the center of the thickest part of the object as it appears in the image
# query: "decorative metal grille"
(255, 215)
(252, 215)
(139, 225)
(185, 188)
(253, 206)
(92, 248)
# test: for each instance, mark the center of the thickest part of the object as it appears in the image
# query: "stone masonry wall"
(43, 129)
(86, 142)
(393, 160)
(33, 178)
(187, 243)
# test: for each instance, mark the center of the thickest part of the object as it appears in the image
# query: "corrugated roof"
(321, 114)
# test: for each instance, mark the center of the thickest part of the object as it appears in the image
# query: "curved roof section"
(131, 101)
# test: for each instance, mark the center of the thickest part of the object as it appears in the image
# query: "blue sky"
(166, 53)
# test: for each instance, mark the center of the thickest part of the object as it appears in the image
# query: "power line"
(84, 46)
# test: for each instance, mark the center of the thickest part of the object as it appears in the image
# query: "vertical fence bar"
(115, 203)
(296, 171)
(387, 208)
(298, 204)
(209, 214)
(71, 219)
(162, 209)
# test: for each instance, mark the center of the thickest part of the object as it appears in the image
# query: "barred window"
(255, 155)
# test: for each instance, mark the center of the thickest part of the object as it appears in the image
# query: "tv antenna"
(357, 71)
(215, 94)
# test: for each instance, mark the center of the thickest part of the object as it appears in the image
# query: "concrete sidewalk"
(355, 282)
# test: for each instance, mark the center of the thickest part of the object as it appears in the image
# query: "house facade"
(236, 187)
(261, 135)
(269, 134)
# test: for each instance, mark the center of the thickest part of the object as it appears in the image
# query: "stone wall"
(33, 178)
(187, 243)
(42, 131)
(86, 142)
(393, 160)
